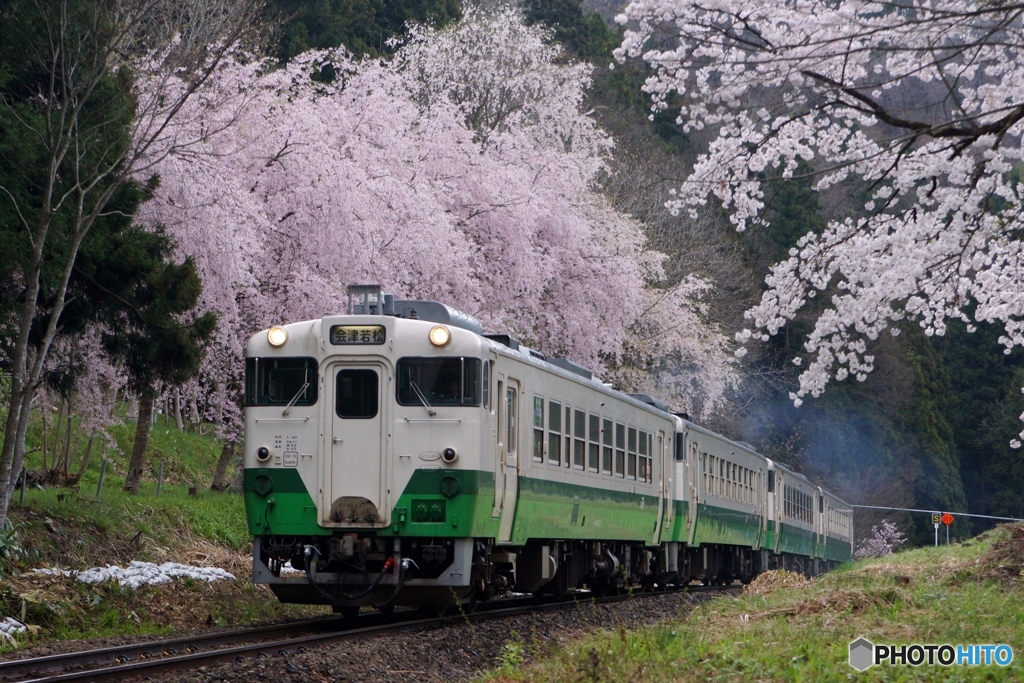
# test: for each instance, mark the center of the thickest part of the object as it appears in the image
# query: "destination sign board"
(348, 335)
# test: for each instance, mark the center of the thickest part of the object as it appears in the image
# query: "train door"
(669, 466)
(819, 523)
(776, 505)
(509, 450)
(664, 488)
(695, 462)
(355, 471)
(499, 446)
(762, 496)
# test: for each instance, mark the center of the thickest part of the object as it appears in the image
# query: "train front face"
(365, 477)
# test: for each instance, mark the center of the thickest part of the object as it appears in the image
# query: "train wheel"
(347, 611)
(387, 610)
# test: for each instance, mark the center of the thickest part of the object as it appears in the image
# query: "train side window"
(771, 481)
(554, 433)
(538, 429)
(568, 436)
(511, 424)
(620, 449)
(644, 467)
(680, 455)
(498, 409)
(357, 394)
(486, 385)
(606, 453)
(594, 443)
(631, 453)
(579, 426)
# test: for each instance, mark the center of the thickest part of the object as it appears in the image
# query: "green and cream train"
(396, 455)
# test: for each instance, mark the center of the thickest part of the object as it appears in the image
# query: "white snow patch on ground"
(9, 627)
(138, 574)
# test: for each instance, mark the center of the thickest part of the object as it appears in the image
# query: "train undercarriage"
(352, 570)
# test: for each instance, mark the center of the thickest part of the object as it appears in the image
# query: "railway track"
(190, 652)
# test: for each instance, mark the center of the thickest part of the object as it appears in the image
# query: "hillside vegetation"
(73, 528)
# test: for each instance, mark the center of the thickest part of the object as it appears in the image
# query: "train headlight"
(277, 335)
(263, 454)
(449, 455)
(440, 335)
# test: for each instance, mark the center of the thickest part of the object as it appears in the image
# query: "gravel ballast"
(456, 652)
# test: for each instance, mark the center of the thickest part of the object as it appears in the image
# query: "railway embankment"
(57, 533)
(784, 628)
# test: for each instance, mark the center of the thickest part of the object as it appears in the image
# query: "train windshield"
(280, 381)
(439, 381)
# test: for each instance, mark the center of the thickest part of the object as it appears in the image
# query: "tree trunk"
(177, 409)
(65, 465)
(220, 475)
(142, 427)
(71, 481)
(19, 440)
(45, 438)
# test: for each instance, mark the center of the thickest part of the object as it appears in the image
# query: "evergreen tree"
(364, 27)
(144, 329)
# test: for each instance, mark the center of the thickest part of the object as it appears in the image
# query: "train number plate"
(357, 334)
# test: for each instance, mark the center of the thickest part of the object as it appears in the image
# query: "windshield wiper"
(295, 398)
(423, 398)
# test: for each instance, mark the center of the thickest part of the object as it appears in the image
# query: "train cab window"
(280, 381)
(579, 427)
(631, 453)
(680, 454)
(538, 429)
(771, 481)
(439, 381)
(554, 433)
(356, 393)
(620, 449)
(594, 443)
(606, 453)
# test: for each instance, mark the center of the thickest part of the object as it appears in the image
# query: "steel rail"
(163, 655)
(19, 669)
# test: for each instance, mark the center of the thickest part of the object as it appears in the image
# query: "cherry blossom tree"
(885, 539)
(464, 169)
(916, 107)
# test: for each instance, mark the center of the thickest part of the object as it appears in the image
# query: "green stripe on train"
(545, 509)
(723, 525)
(286, 510)
(793, 539)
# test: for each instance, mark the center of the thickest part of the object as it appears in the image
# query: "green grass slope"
(785, 629)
